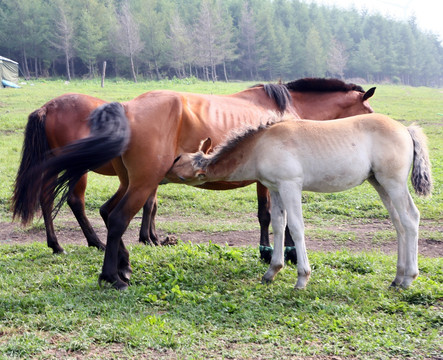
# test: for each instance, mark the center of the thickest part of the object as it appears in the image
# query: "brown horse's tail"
(421, 176)
(109, 137)
(25, 202)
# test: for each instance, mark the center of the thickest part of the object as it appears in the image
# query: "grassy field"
(206, 301)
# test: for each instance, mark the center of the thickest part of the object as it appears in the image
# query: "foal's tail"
(34, 152)
(109, 138)
(421, 176)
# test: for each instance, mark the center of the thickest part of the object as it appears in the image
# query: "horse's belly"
(335, 181)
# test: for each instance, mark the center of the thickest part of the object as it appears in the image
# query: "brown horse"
(294, 156)
(142, 137)
(186, 118)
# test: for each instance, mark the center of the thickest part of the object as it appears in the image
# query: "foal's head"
(189, 168)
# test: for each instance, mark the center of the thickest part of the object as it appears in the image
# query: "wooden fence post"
(103, 73)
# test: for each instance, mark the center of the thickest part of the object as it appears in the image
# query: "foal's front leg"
(291, 193)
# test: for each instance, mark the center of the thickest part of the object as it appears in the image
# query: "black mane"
(280, 92)
(277, 92)
(322, 85)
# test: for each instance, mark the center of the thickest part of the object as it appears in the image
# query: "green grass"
(206, 301)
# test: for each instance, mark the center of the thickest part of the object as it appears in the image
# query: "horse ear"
(205, 146)
(369, 93)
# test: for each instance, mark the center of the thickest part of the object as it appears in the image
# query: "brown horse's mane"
(280, 92)
(322, 85)
(234, 138)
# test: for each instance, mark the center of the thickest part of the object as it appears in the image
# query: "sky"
(428, 13)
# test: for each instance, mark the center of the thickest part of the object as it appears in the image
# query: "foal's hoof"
(266, 281)
(117, 284)
(266, 253)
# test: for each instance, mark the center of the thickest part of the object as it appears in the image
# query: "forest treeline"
(214, 40)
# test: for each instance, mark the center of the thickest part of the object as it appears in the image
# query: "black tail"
(109, 137)
(25, 201)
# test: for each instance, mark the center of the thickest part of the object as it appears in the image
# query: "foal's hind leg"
(77, 204)
(148, 235)
(401, 256)
(406, 218)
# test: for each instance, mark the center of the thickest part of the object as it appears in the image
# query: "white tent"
(8, 71)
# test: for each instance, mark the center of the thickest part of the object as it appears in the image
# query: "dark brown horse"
(64, 120)
(142, 137)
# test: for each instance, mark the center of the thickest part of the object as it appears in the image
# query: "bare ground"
(70, 233)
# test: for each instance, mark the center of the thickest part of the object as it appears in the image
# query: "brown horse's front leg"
(264, 218)
(290, 252)
(148, 235)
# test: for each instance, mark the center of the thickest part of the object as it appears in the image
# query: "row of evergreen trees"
(215, 40)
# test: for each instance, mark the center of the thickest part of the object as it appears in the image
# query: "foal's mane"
(234, 138)
(280, 92)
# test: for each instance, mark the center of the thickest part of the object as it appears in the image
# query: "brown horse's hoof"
(57, 249)
(125, 275)
(117, 283)
(291, 254)
(100, 246)
(266, 253)
(148, 241)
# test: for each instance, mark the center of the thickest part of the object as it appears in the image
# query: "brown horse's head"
(324, 99)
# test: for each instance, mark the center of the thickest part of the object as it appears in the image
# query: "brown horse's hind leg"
(123, 267)
(46, 204)
(148, 235)
(77, 204)
(116, 267)
(264, 218)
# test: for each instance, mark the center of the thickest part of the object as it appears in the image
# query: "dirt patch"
(364, 240)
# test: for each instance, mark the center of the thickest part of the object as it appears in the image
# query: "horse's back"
(183, 119)
(335, 155)
(67, 117)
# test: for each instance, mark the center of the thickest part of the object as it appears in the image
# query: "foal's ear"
(205, 146)
(369, 93)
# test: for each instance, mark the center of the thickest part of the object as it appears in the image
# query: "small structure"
(8, 72)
